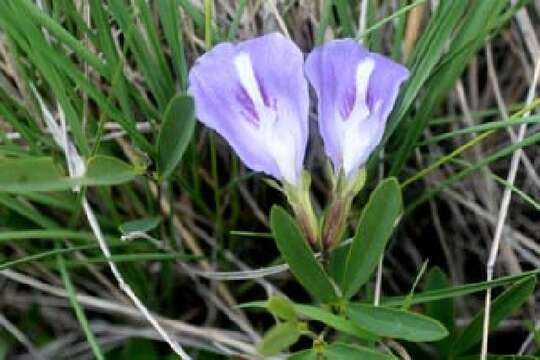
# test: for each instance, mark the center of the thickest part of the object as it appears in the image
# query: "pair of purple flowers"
(255, 95)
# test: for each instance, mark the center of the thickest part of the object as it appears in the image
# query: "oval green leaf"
(308, 354)
(299, 256)
(281, 307)
(106, 170)
(354, 352)
(376, 224)
(341, 351)
(279, 338)
(175, 134)
(140, 225)
(335, 321)
(395, 323)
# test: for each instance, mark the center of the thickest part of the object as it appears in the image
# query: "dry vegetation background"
(211, 250)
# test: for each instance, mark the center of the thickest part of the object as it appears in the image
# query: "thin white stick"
(76, 167)
(503, 212)
(124, 286)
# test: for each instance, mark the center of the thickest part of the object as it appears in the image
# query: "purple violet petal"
(356, 92)
(255, 96)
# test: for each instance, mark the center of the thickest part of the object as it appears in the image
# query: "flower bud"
(299, 198)
(335, 222)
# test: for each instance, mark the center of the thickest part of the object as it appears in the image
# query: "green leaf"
(505, 304)
(176, 132)
(319, 314)
(279, 338)
(30, 174)
(441, 310)
(281, 307)
(105, 170)
(394, 323)
(309, 354)
(376, 224)
(140, 225)
(42, 174)
(335, 321)
(342, 352)
(354, 352)
(336, 266)
(299, 256)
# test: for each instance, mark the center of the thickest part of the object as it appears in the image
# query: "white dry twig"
(503, 212)
(77, 168)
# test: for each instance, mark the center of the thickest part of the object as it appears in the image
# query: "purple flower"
(356, 90)
(254, 94)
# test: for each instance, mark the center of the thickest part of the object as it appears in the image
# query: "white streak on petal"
(279, 141)
(283, 148)
(363, 73)
(356, 144)
(244, 69)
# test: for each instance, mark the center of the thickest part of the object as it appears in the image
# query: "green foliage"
(118, 72)
(441, 310)
(395, 323)
(504, 305)
(340, 351)
(175, 134)
(299, 256)
(279, 338)
(140, 225)
(338, 322)
(375, 226)
(41, 174)
(282, 308)
(472, 23)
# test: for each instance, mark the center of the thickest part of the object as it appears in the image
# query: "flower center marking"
(262, 112)
(354, 142)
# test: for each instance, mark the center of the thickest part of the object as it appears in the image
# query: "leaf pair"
(42, 174)
(375, 226)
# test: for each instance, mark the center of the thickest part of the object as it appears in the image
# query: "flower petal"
(356, 91)
(254, 94)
